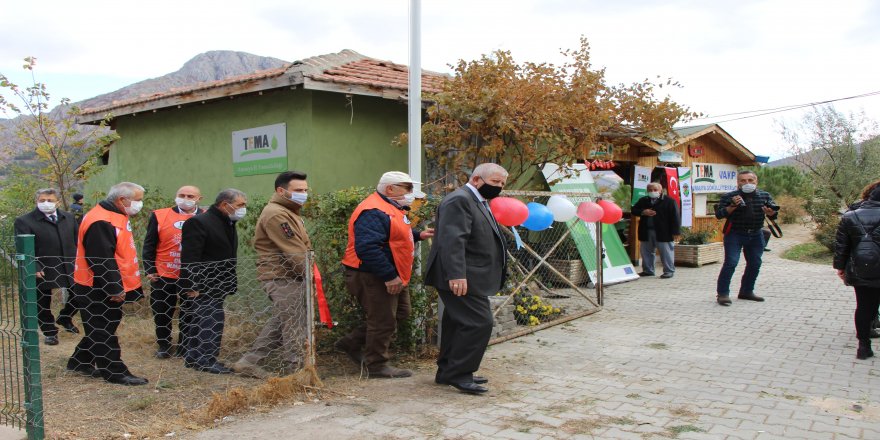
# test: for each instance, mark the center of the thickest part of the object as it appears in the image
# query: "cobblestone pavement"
(662, 360)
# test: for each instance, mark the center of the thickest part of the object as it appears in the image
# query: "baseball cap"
(397, 177)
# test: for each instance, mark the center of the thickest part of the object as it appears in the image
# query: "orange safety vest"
(170, 227)
(400, 239)
(125, 254)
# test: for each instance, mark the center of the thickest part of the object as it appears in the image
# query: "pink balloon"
(613, 213)
(590, 212)
(509, 211)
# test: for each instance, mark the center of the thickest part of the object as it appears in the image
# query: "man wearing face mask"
(744, 210)
(106, 275)
(378, 264)
(209, 249)
(161, 255)
(54, 232)
(658, 225)
(467, 263)
(282, 244)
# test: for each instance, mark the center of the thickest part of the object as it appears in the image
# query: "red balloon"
(613, 213)
(509, 211)
(590, 212)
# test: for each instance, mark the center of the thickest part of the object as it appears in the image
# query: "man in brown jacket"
(282, 246)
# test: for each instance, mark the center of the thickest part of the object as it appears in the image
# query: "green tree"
(527, 114)
(783, 180)
(65, 153)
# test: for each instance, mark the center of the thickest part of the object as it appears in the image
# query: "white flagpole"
(415, 91)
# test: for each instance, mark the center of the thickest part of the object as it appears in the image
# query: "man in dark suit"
(659, 223)
(54, 234)
(209, 249)
(467, 263)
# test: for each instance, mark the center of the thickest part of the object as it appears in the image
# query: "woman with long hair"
(865, 218)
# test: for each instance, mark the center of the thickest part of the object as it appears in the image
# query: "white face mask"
(406, 199)
(46, 207)
(185, 204)
(654, 194)
(135, 207)
(238, 214)
(299, 198)
(749, 188)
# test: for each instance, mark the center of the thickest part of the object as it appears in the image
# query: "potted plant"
(695, 249)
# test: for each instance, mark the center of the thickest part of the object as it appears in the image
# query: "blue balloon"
(540, 217)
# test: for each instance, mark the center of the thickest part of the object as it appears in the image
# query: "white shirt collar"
(476, 192)
(55, 213)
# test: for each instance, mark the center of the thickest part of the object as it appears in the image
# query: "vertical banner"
(640, 183)
(687, 196)
(672, 186)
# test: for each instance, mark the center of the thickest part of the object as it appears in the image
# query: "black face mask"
(489, 192)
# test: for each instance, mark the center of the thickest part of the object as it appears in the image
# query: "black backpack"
(865, 255)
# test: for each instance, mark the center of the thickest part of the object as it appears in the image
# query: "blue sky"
(730, 56)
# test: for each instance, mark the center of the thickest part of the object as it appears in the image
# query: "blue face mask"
(299, 198)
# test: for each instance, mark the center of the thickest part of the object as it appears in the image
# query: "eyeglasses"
(406, 186)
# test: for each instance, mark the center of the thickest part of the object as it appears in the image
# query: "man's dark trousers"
(382, 314)
(163, 300)
(99, 346)
(205, 329)
(44, 312)
(467, 320)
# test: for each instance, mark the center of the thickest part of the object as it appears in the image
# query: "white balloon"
(562, 208)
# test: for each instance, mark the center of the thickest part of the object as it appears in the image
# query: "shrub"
(791, 209)
(691, 236)
(531, 310)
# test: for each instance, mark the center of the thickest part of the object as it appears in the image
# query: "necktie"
(491, 216)
(53, 218)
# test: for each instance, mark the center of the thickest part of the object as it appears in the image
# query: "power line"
(770, 111)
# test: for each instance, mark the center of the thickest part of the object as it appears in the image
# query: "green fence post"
(30, 338)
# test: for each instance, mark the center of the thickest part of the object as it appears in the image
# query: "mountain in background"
(209, 66)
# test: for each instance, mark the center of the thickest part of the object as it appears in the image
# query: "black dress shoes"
(163, 353)
(750, 297)
(646, 274)
(127, 380)
(479, 380)
(68, 326)
(469, 388)
(51, 340)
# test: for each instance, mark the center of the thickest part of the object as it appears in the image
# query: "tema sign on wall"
(261, 150)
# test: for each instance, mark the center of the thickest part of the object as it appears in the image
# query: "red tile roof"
(344, 68)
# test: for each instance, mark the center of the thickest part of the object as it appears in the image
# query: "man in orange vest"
(378, 263)
(161, 255)
(105, 275)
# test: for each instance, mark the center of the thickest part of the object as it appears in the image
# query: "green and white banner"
(687, 196)
(640, 183)
(260, 150)
(616, 264)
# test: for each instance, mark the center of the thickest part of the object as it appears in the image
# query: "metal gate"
(21, 402)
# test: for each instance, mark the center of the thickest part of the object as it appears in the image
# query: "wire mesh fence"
(551, 273)
(12, 411)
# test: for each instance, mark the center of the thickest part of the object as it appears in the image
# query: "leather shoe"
(163, 353)
(389, 372)
(68, 326)
(85, 370)
(128, 380)
(646, 274)
(874, 333)
(469, 388)
(51, 340)
(667, 275)
(750, 297)
(724, 300)
(479, 380)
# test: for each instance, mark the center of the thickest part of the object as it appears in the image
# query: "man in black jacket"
(209, 249)
(54, 234)
(658, 225)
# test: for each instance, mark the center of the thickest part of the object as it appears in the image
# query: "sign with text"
(687, 196)
(260, 150)
(640, 183)
(713, 178)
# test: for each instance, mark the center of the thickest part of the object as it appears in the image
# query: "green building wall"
(339, 140)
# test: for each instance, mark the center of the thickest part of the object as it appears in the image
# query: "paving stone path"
(662, 360)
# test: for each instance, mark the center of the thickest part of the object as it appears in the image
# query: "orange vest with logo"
(400, 238)
(170, 227)
(125, 255)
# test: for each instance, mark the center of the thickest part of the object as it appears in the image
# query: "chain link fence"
(551, 273)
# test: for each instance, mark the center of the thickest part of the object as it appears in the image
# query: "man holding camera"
(744, 210)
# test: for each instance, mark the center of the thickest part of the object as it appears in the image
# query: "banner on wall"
(640, 183)
(713, 178)
(260, 150)
(616, 265)
(672, 189)
(687, 196)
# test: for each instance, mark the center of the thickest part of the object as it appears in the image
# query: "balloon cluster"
(537, 217)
